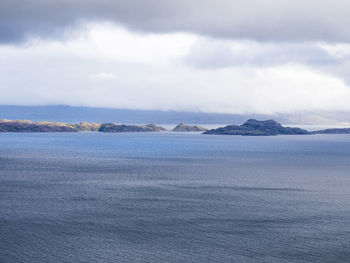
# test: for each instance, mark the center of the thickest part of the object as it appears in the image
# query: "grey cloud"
(261, 20)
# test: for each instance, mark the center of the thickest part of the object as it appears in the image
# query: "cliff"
(254, 127)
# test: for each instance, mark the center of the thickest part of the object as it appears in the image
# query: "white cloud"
(174, 72)
(102, 76)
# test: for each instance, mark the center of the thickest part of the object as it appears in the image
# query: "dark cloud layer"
(262, 20)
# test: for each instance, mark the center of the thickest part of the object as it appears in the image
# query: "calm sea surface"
(173, 197)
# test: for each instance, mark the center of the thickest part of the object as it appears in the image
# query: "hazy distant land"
(60, 113)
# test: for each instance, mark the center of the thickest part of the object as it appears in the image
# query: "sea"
(174, 197)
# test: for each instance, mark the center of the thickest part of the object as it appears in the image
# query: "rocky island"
(251, 127)
(46, 126)
(86, 126)
(29, 126)
(111, 127)
(254, 127)
(188, 128)
(333, 131)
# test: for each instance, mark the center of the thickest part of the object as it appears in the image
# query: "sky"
(221, 56)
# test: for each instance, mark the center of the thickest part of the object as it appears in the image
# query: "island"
(188, 128)
(86, 126)
(251, 127)
(29, 126)
(333, 131)
(111, 127)
(254, 127)
(46, 126)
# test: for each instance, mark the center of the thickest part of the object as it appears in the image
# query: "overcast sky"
(251, 56)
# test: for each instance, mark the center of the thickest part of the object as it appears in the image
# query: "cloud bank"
(110, 66)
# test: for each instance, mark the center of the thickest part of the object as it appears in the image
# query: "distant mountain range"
(103, 115)
(69, 114)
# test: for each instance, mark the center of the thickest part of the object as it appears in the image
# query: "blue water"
(173, 197)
